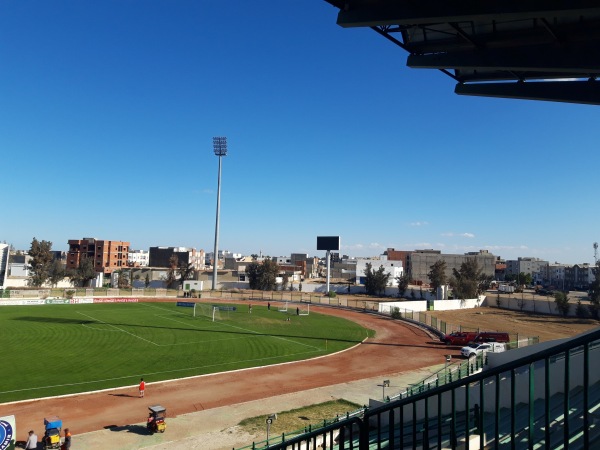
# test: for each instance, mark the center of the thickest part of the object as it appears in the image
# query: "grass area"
(299, 419)
(60, 349)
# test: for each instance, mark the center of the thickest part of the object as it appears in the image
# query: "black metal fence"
(548, 399)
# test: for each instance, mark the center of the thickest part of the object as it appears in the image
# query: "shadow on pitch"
(135, 429)
(55, 319)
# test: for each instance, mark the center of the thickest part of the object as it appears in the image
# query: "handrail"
(466, 420)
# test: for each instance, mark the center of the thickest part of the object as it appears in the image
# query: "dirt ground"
(397, 347)
(545, 327)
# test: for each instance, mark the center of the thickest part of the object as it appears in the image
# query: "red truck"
(459, 337)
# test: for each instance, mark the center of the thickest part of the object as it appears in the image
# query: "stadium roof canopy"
(526, 49)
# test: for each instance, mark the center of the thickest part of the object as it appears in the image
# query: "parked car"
(476, 349)
(491, 336)
(459, 337)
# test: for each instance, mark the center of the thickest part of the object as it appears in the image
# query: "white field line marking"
(98, 329)
(120, 329)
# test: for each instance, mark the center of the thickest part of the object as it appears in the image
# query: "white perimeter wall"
(421, 305)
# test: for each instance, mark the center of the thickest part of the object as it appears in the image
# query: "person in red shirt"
(142, 387)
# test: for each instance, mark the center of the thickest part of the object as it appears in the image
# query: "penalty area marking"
(119, 329)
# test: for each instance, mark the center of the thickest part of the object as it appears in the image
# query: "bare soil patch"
(546, 327)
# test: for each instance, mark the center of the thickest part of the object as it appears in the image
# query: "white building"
(394, 268)
(138, 258)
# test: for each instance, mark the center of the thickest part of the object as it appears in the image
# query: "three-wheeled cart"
(51, 439)
(156, 419)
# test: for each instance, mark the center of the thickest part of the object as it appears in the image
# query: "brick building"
(108, 256)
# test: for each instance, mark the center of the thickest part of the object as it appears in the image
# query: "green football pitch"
(61, 349)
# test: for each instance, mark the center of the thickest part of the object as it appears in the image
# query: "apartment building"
(108, 256)
(420, 262)
(536, 267)
(579, 276)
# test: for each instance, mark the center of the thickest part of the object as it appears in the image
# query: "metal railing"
(548, 399)
(284, 437)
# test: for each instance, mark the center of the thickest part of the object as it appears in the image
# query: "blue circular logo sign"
(6, 434)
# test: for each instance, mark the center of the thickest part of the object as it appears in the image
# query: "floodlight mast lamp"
(220, 148)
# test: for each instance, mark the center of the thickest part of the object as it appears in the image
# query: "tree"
(524, 279)
(56, 272)
(263, 276)
(170, 278)
(469, 281)
(437, 276)
(403, 282)
(39, 264)
(562, 302)
(376, 281)
(284, 281)
(510, 277)
(369, 279)
(84, 273)
(185, 272)
(252, 273)
(123, 279)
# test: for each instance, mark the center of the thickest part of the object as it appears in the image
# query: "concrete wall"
(541, 305)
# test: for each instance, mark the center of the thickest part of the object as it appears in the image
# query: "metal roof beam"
(361, 13)
(582, 59)
(586, 92)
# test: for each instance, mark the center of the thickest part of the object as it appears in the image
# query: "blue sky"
(108, 109)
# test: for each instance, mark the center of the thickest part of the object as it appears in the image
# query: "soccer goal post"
(304, 311)
(284, 307)
(211, 312)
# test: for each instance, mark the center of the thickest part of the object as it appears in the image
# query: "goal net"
(211, 312)
(304, 310)
(284, 307)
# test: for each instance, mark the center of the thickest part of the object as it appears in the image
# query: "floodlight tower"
(220, 148)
